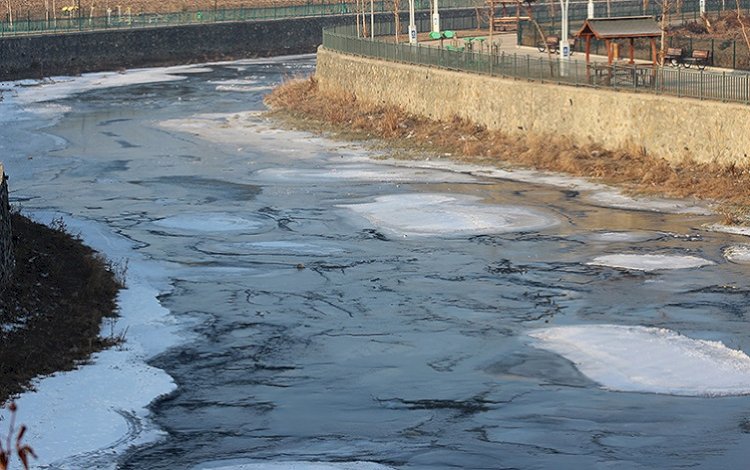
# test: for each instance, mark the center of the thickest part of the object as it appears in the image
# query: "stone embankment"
(668, 127)
(6, 239)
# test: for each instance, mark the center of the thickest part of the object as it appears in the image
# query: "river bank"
(301, 103)
(53, 307)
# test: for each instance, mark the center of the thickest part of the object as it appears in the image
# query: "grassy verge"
(52, 309)
(301, 103)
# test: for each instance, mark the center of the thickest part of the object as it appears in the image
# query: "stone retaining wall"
(6, 240)
(667, 127)
(93, 51)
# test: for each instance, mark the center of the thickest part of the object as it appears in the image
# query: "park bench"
(673, 56)
(700, 58)
(552, 43)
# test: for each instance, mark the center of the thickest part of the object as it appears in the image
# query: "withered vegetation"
(301, 103)
(52, 308)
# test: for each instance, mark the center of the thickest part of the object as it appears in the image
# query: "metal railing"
(123, 19)
(704, 85)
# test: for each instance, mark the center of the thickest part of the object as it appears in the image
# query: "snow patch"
(81, 418)
(652, 360)
(647, 262)
(445, 214)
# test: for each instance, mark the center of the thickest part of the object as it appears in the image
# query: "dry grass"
(55, 302)
(632, 169)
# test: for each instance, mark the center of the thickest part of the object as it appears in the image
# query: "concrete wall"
(6, 240)
(666, 127)
(70, 53)
(78, 52)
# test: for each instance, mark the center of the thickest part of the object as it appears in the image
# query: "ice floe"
(269, 248)
(594, 193)
(733, 229)
(613, 198)
(738, 254)
(631, 237)
(294, 465)
(433, 214)
(366, 172)
(649, 262)
(215, 222)
(63, 87)
(653, 360)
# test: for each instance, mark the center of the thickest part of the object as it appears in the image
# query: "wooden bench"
(551, 43)
(673, 56)
(700, 58)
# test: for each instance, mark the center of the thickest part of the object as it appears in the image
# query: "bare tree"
(668, 8)
(742, 24)
(10, 14)
(396, 4)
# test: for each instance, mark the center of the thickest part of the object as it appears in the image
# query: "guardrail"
(703, 85)
(125, 20)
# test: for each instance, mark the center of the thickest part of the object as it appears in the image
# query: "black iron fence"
(689, 83)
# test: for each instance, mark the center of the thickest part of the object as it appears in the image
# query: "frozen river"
(294, 303)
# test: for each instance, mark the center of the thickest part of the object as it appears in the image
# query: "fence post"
(614, 75)
(723, 86)
(528, 67)
(679, 82)
(700, 86)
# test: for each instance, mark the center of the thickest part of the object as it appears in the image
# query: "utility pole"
(564, 44)
(412, 24)
(435, 18)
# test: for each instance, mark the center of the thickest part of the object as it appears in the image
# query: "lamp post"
(435, 18)
(412, 24)
(372, 20)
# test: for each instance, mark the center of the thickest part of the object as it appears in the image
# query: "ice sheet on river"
(649, 262)
(448, 214)
(594, 193)
(215, 222)
(654, 360)
(297, 466)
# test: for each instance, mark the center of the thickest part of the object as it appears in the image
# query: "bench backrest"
(701, 54)
(552, 39)
(674, 51)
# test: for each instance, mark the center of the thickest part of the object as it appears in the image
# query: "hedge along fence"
(7, 262)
